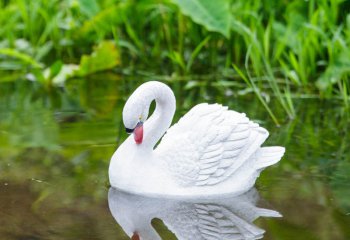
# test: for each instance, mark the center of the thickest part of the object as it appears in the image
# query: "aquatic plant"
(283, 50)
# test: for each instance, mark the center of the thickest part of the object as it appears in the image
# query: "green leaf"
(177, 58)
(43, 50)
(335, 71)
(25, 58)
(11, 65)
(196, 51)
(55, 68)
(193, 84)
(105, 56)
(89, 7)
(103, 21)
(66, 71)
(214, 15)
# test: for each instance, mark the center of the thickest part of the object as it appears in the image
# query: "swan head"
(135, 113)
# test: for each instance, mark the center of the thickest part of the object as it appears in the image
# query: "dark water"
(55, 146)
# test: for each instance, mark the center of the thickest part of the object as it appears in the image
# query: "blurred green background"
(67, 68)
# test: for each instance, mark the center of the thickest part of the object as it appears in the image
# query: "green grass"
(283, 49)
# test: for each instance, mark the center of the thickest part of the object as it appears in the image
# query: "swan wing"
(206, 221)
(209, 144)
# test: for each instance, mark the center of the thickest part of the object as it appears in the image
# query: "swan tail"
(267, 156)
(268, 213)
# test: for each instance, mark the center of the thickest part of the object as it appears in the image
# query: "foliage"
(105, 57)
(214, 15)
(280, 49)
(57, 114)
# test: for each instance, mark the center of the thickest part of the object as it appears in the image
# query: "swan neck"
(149, 233)
(161, 119)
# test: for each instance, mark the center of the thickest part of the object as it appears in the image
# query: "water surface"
(55, 146)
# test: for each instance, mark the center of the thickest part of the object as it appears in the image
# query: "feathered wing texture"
(222, 219)
(267, 156)
(204, 221)
(208, 144)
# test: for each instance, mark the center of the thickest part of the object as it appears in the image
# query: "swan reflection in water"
(222, 218)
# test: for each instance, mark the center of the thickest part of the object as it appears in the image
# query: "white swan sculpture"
(210, 151)
(218, 218)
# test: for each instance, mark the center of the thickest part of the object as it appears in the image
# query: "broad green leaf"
(105, 56)
(214, 15)
(89, 7)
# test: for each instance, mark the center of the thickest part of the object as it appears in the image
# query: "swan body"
(218, 218)
(210, 151)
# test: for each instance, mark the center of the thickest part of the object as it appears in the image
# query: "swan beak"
(129, 131)
(138, 133)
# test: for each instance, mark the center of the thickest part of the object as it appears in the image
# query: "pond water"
(55, 146)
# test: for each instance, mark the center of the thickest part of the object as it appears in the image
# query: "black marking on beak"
(129, 131)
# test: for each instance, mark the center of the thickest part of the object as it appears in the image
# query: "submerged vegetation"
(288, 50)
